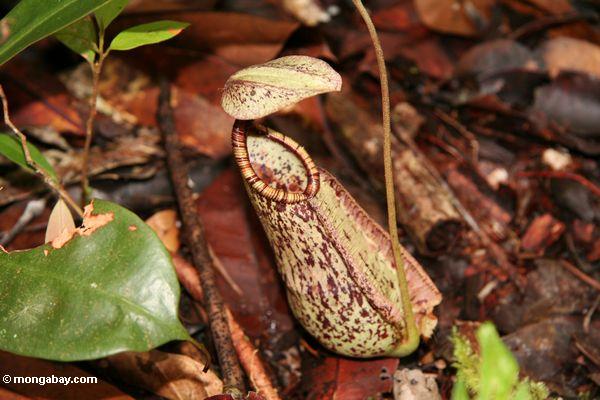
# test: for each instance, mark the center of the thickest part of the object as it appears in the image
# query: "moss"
(481, 382)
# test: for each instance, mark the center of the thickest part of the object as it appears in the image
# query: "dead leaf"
(466, 18)
(209, 136)
(172, 376)
(164, 223)
(570, 104)
(60, 220)
(568, 54)
(243, 39)
(91, 222)
(341, 378)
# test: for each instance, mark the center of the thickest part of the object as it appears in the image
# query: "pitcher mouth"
(239, 135)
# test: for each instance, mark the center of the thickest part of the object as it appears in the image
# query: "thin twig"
(562, 175)
(587, 320)
(89, 125)
(253, 365)
(550, 21)
(194, 233)
(48, 180)
(412, 334)
(580, 274)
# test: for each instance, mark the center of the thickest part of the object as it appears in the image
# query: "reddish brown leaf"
(450, 16)
(240, 38)
(341, 378)
(543, 231)
(262, 308)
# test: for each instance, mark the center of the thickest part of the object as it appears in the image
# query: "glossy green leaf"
(11, 148)
(32, 20)
(110, 288)
(80, 37)
(141, 35)
(107, 13)
(499, 369)
(263, 89)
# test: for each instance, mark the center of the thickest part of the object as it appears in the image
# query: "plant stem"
(48, 180)
(194, 233)
(412, 334)
(89, 126)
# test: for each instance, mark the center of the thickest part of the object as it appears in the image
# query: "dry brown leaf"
(173, 376)
(568, 54)
(90, 223)
(466, 18)
(309, 12)
(164, 223)
(60, 220)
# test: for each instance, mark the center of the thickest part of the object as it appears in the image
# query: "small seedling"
(86, 37)
(493, 374)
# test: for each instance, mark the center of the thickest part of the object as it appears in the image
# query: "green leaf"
(499, 369)
(110, 288)
(144, 34)
(522, 392)
(107, 13)
(32, 20)
(10, 147)
(80, 37)
(459, 391)
(263, 89)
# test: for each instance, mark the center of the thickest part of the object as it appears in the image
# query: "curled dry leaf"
(260, 90)
(173, 376)
(60, 221)
(568, 54)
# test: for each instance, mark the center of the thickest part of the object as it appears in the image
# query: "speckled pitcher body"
(335, 261)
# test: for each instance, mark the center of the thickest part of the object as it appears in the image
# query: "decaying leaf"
(60, 221)
(568, 54)
(90, 223)
(260, 90)
(466, 18)
(164, 223)
(336, 262)
(173, 376)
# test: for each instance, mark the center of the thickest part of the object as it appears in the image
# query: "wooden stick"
(194, 233)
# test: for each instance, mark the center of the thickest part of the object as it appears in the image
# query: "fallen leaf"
(164, 223)
(243, 39)
(456, 17)
(568, 54)
(342, 378)
(173, 376)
